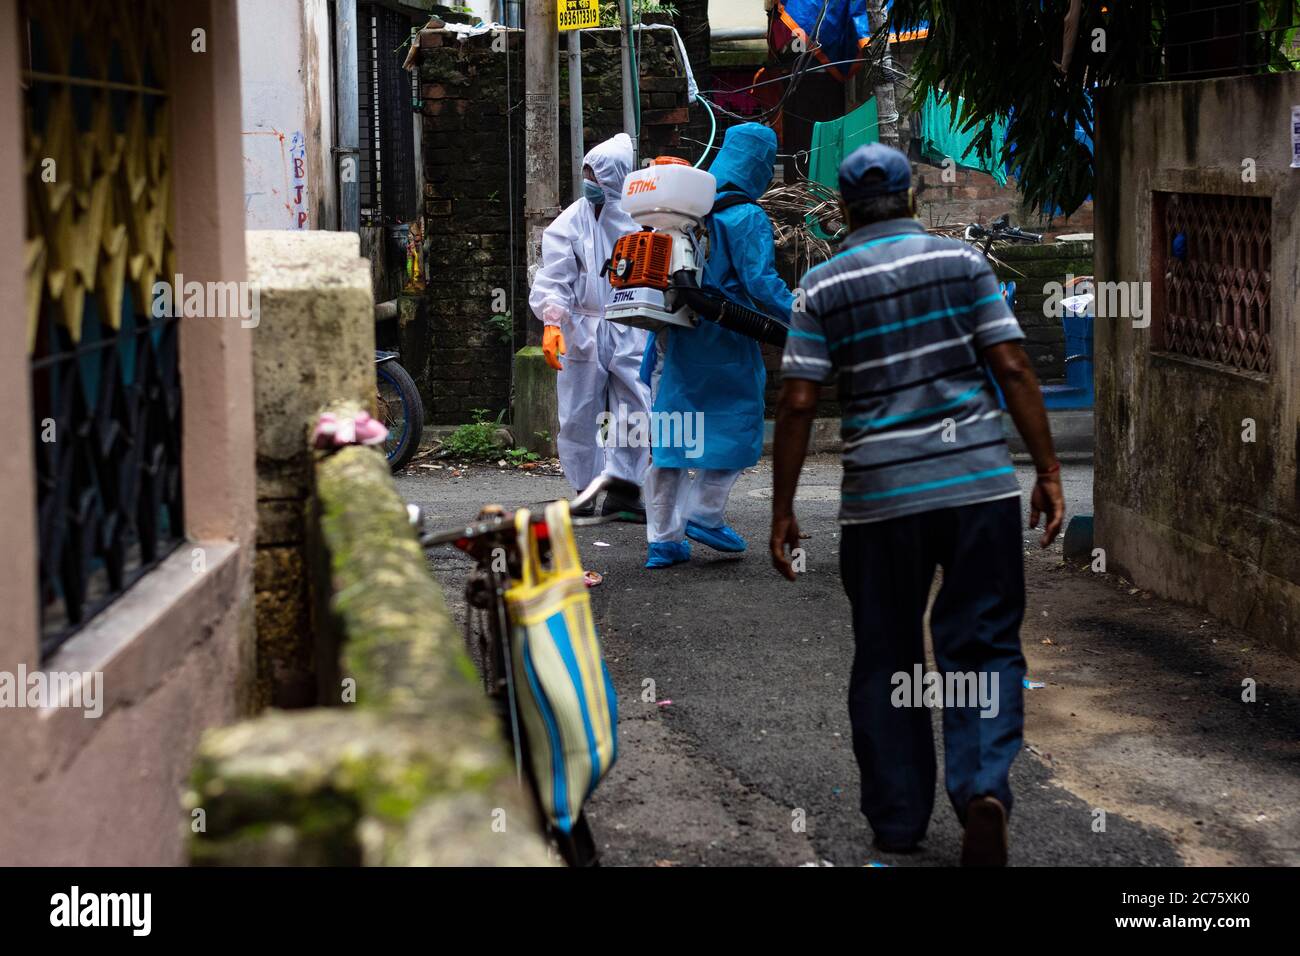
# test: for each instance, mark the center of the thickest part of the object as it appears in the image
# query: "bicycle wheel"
(401, 411)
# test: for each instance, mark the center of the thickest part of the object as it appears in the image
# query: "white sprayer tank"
(668, 195)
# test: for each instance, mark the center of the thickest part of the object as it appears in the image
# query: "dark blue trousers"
(888, 568)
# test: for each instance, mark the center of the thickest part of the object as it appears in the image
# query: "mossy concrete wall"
(1184, 506)
(1033, 269)
(409, 766)
(537, 417)
(314, 343)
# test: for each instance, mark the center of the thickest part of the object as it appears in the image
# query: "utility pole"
(347, 152)
(541, 131)
(886, 103)
(534, 408)
(576, 150)
(630, 90)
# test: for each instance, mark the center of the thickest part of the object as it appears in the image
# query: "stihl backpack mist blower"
(655, 273)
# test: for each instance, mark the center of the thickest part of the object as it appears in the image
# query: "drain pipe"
(347, 145)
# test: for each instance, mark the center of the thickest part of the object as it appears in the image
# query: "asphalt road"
(733, 727)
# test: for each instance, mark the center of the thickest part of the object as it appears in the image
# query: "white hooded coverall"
(602, 364)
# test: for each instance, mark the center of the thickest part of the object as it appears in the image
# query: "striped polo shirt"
(898, 319)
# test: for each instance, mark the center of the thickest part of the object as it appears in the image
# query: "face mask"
(595, 195)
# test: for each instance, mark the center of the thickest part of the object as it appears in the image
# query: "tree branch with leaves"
(1037, 62)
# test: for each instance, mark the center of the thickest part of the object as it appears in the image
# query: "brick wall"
(1031, 268)
(975, 196)
(692, 23)
(472, 133)
(665, 110)
(472, 150)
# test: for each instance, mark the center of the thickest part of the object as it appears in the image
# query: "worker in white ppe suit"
(599, 381)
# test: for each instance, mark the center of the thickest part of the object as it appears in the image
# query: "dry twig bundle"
(794, 208)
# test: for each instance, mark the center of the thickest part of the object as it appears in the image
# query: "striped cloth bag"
(565, 700)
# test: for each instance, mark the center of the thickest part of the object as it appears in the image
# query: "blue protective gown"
(710, 369)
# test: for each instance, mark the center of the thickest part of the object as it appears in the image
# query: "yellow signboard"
(578, 14)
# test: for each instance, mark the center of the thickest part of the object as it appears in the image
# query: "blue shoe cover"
(719, 539)
(664, 554)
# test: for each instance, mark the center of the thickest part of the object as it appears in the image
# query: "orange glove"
(553, 346)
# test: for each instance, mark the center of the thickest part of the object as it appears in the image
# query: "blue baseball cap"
(889, 171)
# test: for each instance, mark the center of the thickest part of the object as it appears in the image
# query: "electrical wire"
(803, 153)
(798, 70)
(899, 74)
(713, 133)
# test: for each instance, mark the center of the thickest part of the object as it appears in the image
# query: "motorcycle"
(399, 408)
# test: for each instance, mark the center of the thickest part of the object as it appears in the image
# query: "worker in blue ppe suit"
(598, 384)
(712, 372)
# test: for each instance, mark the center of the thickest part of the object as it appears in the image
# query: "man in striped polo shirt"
(909, 326)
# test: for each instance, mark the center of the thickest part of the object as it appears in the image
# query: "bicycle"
(400, 409)
(489, 540)
(999, 230)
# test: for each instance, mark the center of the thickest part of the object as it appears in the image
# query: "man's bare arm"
(794, 418)
(1015, 375)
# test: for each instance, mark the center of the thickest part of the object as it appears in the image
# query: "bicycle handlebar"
(1021, 235)
(1001, 232)
(497, 524)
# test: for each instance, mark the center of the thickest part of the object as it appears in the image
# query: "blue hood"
(746, 159)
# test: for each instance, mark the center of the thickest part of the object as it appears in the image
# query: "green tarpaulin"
(941, 138)
(833, 140)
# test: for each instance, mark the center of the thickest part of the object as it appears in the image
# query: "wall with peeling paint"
(1186, 505)
(288, 110)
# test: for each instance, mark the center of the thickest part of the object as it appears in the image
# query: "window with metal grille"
(1213, 278)
(387, 134)
(105, 383)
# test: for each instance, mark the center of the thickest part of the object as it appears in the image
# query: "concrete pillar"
(535, 399)
(541, 130)
(315, 345)
(536, 422)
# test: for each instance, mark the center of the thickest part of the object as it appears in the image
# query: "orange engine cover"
(641, 260)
